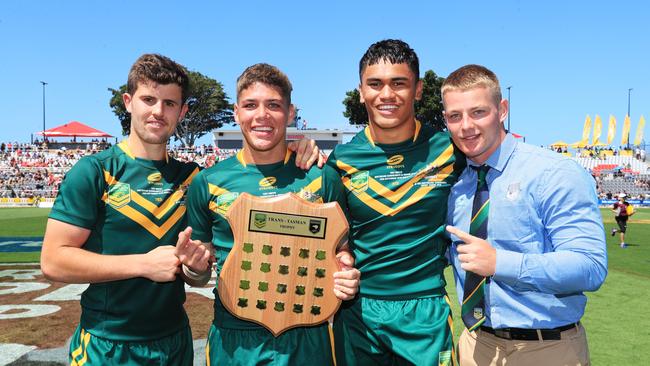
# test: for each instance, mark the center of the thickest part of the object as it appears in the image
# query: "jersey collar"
(418, 126)
(242, 160)
(124, 146)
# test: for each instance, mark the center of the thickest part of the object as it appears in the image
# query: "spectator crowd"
(34, 171)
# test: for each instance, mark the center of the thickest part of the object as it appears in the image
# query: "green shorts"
(369, 331)
(297, 346)
(175, 349)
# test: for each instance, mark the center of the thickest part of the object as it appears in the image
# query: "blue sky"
(564, 60)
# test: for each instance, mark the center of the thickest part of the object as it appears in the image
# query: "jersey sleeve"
(198, 211)
(334, 191)
(80, 195)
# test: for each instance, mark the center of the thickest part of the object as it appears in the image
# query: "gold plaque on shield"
(279, 271)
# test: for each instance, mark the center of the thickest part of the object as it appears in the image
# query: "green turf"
(20, 257)
(617, 326)
(23, 221)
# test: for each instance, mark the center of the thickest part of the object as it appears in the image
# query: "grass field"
(617, 326)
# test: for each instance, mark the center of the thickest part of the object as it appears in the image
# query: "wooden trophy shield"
(279, 271)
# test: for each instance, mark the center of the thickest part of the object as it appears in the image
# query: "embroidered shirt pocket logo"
(513, 192)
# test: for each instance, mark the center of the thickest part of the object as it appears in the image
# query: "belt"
(522, 334)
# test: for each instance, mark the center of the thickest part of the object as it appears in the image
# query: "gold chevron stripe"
(213, 207)
(216, 190)
(315, 185)
(395, 196)
(155, 230)
(168, 204)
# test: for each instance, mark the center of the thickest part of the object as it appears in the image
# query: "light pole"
(629, 91)
(509, 107)
(44, 83)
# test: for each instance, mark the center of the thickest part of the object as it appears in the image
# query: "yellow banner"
(586, 130)
(626, 131)
(639, 132)
(611, 129)
(598, 127)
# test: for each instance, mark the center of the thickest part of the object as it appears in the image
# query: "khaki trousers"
(481, 348)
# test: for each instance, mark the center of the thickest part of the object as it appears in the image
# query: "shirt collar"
(501, 155)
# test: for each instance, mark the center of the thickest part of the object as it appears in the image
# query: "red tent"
(73, 129)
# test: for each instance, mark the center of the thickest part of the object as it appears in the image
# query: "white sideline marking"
(10, 352)
(21, 287)
(27, 311)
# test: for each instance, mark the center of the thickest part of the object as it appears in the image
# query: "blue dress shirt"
(547, 230)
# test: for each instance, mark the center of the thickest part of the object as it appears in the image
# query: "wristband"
(196, 276)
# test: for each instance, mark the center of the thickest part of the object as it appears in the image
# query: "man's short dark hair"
(265, 74)
(393, 51)
(158, 69)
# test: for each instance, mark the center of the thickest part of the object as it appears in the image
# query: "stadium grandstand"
(30, 173)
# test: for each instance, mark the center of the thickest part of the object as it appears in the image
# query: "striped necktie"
(473, 308)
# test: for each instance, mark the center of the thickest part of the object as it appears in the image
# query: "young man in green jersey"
(264, 167)
(114, 225)
(397, 173)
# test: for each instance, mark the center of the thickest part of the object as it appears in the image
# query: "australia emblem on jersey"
(359, 181)
(224, 201)
(119, 195)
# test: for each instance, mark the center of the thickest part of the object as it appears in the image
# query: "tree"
(208, 109)
(355, 111)
(428, 110)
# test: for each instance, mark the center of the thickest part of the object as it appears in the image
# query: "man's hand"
(476, 255)
(306, 153)
(161, 264)
(346, 281)
(192, 253)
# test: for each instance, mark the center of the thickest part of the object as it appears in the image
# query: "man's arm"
(576, 261)
(307, 153)
(63, 259)
(199, 218)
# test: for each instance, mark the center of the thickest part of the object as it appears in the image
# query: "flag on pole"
(639, 132)
(611, 129)
(598, 127)
(626, 131)
(585, 130)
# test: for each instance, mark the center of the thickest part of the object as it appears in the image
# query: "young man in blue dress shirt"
(545, 240)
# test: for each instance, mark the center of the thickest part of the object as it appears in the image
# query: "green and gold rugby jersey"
(397, 206)
(130, 206)
(214, 190)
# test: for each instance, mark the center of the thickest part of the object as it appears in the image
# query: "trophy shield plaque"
(279, 271)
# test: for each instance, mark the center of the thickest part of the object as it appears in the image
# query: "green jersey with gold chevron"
(214, 189)
(397, 205)
(130, 206)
